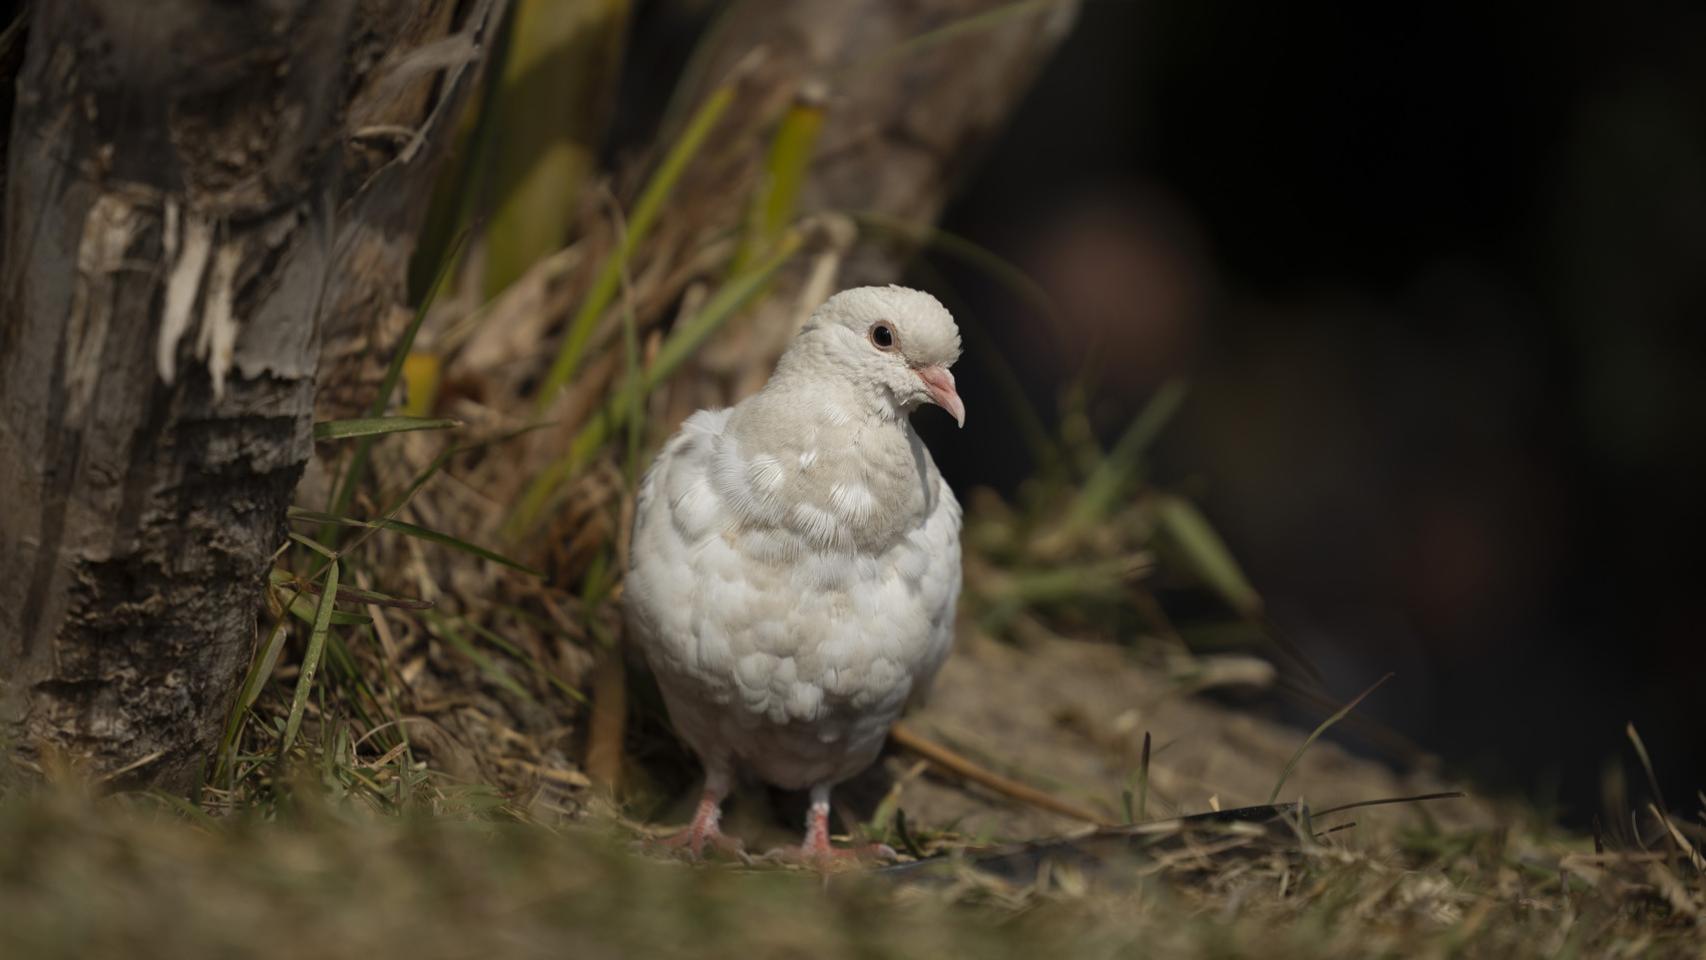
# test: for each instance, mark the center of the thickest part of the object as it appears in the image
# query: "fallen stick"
(947, 760)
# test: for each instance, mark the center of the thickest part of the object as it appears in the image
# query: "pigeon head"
(895, 341)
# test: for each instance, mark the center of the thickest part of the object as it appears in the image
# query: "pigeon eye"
(882, 335)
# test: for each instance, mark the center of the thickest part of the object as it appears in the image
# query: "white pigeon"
(796, 558)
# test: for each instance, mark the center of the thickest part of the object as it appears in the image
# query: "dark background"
(1436, 274)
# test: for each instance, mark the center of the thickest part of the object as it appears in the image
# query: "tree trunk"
(195, 191)
(911, 91)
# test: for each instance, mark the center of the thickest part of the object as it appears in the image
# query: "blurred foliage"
(554, 100)
(458, 874)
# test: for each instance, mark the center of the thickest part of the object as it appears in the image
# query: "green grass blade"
(307, 610)
(526, 660)
(358, 595)
(1108, 482)
(488, 667)
(413, 530)
(553, 96)
(954, 30)
(311, 660)
(1314, 735)
(406, 343)
(1206, 553)
(728, 301)
(446, 540)
(682, 341)
(379, 426)
(260, 671)
(437, 464)
(344, 493)
(303, 607)
(785, 169)
(640, 224)
(1098, 581)
(314, 545)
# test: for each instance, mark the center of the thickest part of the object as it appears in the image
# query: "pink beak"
(940, 382)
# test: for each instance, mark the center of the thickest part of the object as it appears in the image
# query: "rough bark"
(194, 189)
(912, 92)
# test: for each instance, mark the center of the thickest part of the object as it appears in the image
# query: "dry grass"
(321, 877)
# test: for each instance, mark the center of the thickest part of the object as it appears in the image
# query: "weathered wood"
(912, 91)
(192, 190)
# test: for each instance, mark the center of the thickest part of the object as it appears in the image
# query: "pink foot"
(830, 859)
(703, 832)
(694, 845)
(817, 852)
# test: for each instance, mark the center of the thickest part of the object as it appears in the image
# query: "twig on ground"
(904, 737)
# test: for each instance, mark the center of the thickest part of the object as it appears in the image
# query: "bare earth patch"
(1070, 716)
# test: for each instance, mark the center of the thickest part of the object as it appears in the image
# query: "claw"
(818, 853)
(701, 833)
(829, 859)
(693, 844)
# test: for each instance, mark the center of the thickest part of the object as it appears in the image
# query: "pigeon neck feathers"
(826, 464)
(824, 456)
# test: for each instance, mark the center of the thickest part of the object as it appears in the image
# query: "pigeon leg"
(705, 830)
(817, 851)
